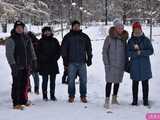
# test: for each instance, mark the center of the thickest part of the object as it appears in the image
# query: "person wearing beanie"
(48, 52)
(76, 51)
(20, 55)
(114, 59)
(139, 51)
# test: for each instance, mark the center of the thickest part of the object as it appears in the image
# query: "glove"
(89, 62)
(14, 70)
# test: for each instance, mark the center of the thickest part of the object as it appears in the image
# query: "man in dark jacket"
(20, 55)
(76, 52)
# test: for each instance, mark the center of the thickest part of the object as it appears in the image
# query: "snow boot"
(145, 102)
(107, 103)
(135, 102)
(18, 107)
(36, 90)
(45, 97)
(114, 100)
(53, 98)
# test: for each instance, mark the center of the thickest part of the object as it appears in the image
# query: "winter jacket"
(114, 56)
(76, 48)
(19, 50)
(140, 67)
(48, 55)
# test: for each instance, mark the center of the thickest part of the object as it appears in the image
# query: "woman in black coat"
(48, 55)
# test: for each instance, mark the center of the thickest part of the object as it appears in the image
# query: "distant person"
(76, 53)
(139, 50)
(48, 55)
(35, 73)
(20, 55)
(114, 59)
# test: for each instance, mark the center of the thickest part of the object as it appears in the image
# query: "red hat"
(137, 25)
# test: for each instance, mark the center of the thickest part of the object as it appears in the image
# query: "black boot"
(53, 98)
(36, 90)
(45, 97)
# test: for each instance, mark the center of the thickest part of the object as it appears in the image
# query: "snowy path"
(61, 110)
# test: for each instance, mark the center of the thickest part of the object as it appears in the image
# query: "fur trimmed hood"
(113, 34)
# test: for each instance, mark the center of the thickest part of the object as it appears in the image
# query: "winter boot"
(135, 101)
(71, 99)
(107, 103)
(45, 97)
(84, 99)
(145, 102)
(36, 90)
(18, 107)
(114, 100)
(53, 98)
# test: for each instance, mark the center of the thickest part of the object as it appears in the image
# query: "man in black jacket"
(77, 52)
(20, 55)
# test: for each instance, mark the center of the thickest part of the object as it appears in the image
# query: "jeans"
(35, 76)
(73, 70)
(52, 84)
(109, 87)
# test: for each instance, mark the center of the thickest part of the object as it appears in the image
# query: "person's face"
(120, 29)
(48, 33)
(137, 32)
(19, 29)
(76, 27)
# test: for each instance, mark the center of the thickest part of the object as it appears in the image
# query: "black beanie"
(19, 23)
(46, 29)
(75, 22)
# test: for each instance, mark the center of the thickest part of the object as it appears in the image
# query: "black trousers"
(45, 84)
(109, 87)
(65, 76)
(145, 89)
(19, 92)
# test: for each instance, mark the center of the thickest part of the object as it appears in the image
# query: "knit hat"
(117, 22)
(137, 25)
(46, 29)
(19, 23)
(75, 22)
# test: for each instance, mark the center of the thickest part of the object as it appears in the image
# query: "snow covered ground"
(61, 110)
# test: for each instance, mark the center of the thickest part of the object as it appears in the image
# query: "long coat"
(140, 67)
(48, 55)
(114, 58)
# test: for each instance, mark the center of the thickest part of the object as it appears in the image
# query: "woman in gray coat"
(114, 58)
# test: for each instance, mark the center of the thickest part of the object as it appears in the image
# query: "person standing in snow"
(77, 52)
(139, 50)
(114, 59)
(48, 55)
(20, 55)
(35, 74)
